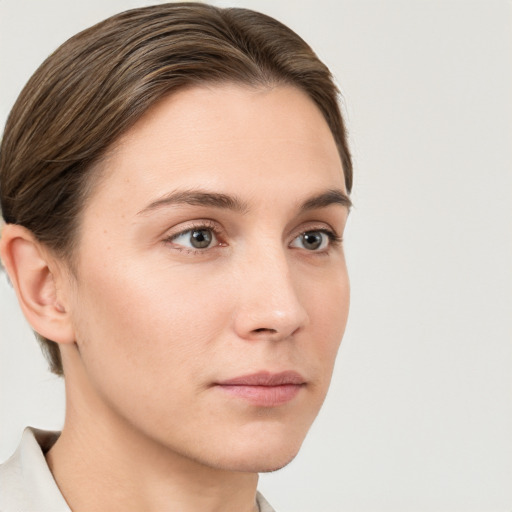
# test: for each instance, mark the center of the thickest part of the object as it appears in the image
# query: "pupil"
(201, 238)
(312, 240)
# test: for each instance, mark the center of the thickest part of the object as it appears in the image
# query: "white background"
(419, 417)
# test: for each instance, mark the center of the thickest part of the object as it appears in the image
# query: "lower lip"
(264, 396)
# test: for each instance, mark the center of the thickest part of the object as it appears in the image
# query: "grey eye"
(311, 240)
(200, 238)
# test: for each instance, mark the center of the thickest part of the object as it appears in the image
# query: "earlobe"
(34, 275)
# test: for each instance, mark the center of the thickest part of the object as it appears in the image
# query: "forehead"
(229, 137)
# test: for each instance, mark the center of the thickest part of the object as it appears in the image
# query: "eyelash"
(334, 239)
(203, 225)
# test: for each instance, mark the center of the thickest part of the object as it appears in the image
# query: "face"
(211, 290)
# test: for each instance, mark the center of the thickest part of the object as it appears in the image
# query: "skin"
(149, 324)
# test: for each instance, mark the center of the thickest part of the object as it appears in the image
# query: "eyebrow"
(198, 198)
(325, 199)
(224, 201)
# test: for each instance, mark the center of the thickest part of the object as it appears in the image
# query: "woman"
(175, 183)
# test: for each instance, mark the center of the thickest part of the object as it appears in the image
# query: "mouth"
(265, 389)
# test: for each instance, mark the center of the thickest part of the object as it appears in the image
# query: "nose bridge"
(269, 305)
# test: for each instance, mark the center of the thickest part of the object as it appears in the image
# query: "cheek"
(328, 305)
(148, 340)
(152, 323)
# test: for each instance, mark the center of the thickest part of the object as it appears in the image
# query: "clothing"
(27, 484)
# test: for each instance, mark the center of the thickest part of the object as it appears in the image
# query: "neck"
(102, 463)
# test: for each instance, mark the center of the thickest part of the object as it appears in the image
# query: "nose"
(269, 307)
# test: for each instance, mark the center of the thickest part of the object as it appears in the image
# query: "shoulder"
(26, 482)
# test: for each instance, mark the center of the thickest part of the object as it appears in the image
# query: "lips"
(265, 389)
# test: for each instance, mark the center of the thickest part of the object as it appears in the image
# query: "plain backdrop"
(419, 417)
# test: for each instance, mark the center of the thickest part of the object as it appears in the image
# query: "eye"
(196, 238)
(312, 240)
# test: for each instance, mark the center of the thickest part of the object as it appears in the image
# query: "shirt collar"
(27, 482)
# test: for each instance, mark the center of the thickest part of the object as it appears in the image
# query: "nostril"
(263, 329)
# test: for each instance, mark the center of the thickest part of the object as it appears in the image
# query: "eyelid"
(334, 240)
(317, 226)
(190, 225)
(330, 234)
(197, 224)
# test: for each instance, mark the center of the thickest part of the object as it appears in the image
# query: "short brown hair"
(100, 82)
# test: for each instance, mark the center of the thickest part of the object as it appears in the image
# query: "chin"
(270, 466)
(262, 445)
(264, 457)
(255, 465)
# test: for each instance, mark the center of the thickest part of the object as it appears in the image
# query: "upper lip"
(265, 379)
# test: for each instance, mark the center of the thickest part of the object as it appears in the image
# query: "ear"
(37, 278)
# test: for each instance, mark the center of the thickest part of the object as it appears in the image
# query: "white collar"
(26, 480)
